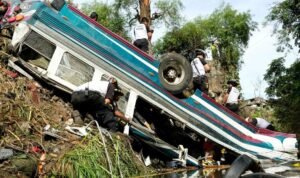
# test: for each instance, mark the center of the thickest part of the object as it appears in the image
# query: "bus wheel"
(175, 73)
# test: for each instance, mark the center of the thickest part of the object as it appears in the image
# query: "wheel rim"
(173, 74)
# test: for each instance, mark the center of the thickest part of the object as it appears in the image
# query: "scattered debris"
(80, 131)
(34, 140)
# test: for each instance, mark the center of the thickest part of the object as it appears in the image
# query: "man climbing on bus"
(99, 98)
(231, 98)
(141, 34)
(200, 68)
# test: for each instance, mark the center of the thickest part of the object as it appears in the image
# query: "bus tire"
(175, 73)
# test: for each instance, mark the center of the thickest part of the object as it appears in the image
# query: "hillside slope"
(34, 141)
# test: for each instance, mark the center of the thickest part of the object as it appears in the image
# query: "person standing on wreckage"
(200, 68)
(142, 34)
(231, 98)
(99, 98)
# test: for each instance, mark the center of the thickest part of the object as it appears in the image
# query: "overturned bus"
(57, 43)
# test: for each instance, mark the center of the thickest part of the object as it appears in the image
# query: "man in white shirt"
(200, 68)
(260, 123)
(99, 98)
(231, 98)
(141, 35)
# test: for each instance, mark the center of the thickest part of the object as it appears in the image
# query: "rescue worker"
(260, 123)
(231, 98)
(141, 35)
(99, 99)
(200, 68)
(94, 16)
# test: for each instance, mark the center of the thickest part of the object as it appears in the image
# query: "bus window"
(37, 50)
(74, 70)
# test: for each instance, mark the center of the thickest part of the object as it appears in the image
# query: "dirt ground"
(33, 138)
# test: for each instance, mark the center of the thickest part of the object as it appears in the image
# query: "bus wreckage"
(57, 43)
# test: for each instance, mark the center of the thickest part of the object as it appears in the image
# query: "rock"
(77, 117)
(69, 122)
(55, 98)
(26, 166)
(5, 153)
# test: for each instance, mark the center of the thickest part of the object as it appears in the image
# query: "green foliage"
(284, 83)
(88, 159)
(170, 12)
(120, 15)
(286, 15)
(284, 86)
(231, 28)
(188, 37)
(127, 9)
(168, 9)
(108, 16)
(274, 76)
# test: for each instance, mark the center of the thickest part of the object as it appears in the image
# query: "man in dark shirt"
(100, 100)
(110, 115)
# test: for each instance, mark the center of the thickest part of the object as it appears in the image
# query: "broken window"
(74, 70)
(40, 44)
(167, 127)
(37, 51)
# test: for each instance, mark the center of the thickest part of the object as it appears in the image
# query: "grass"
(23, 121)
(88, 159)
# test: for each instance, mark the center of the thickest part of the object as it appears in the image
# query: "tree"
(120, 15)
(284, 84)
(274, 76)
(167, 11)
(286, 15)
(284, 87)
(231, 28)
(107, 16)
